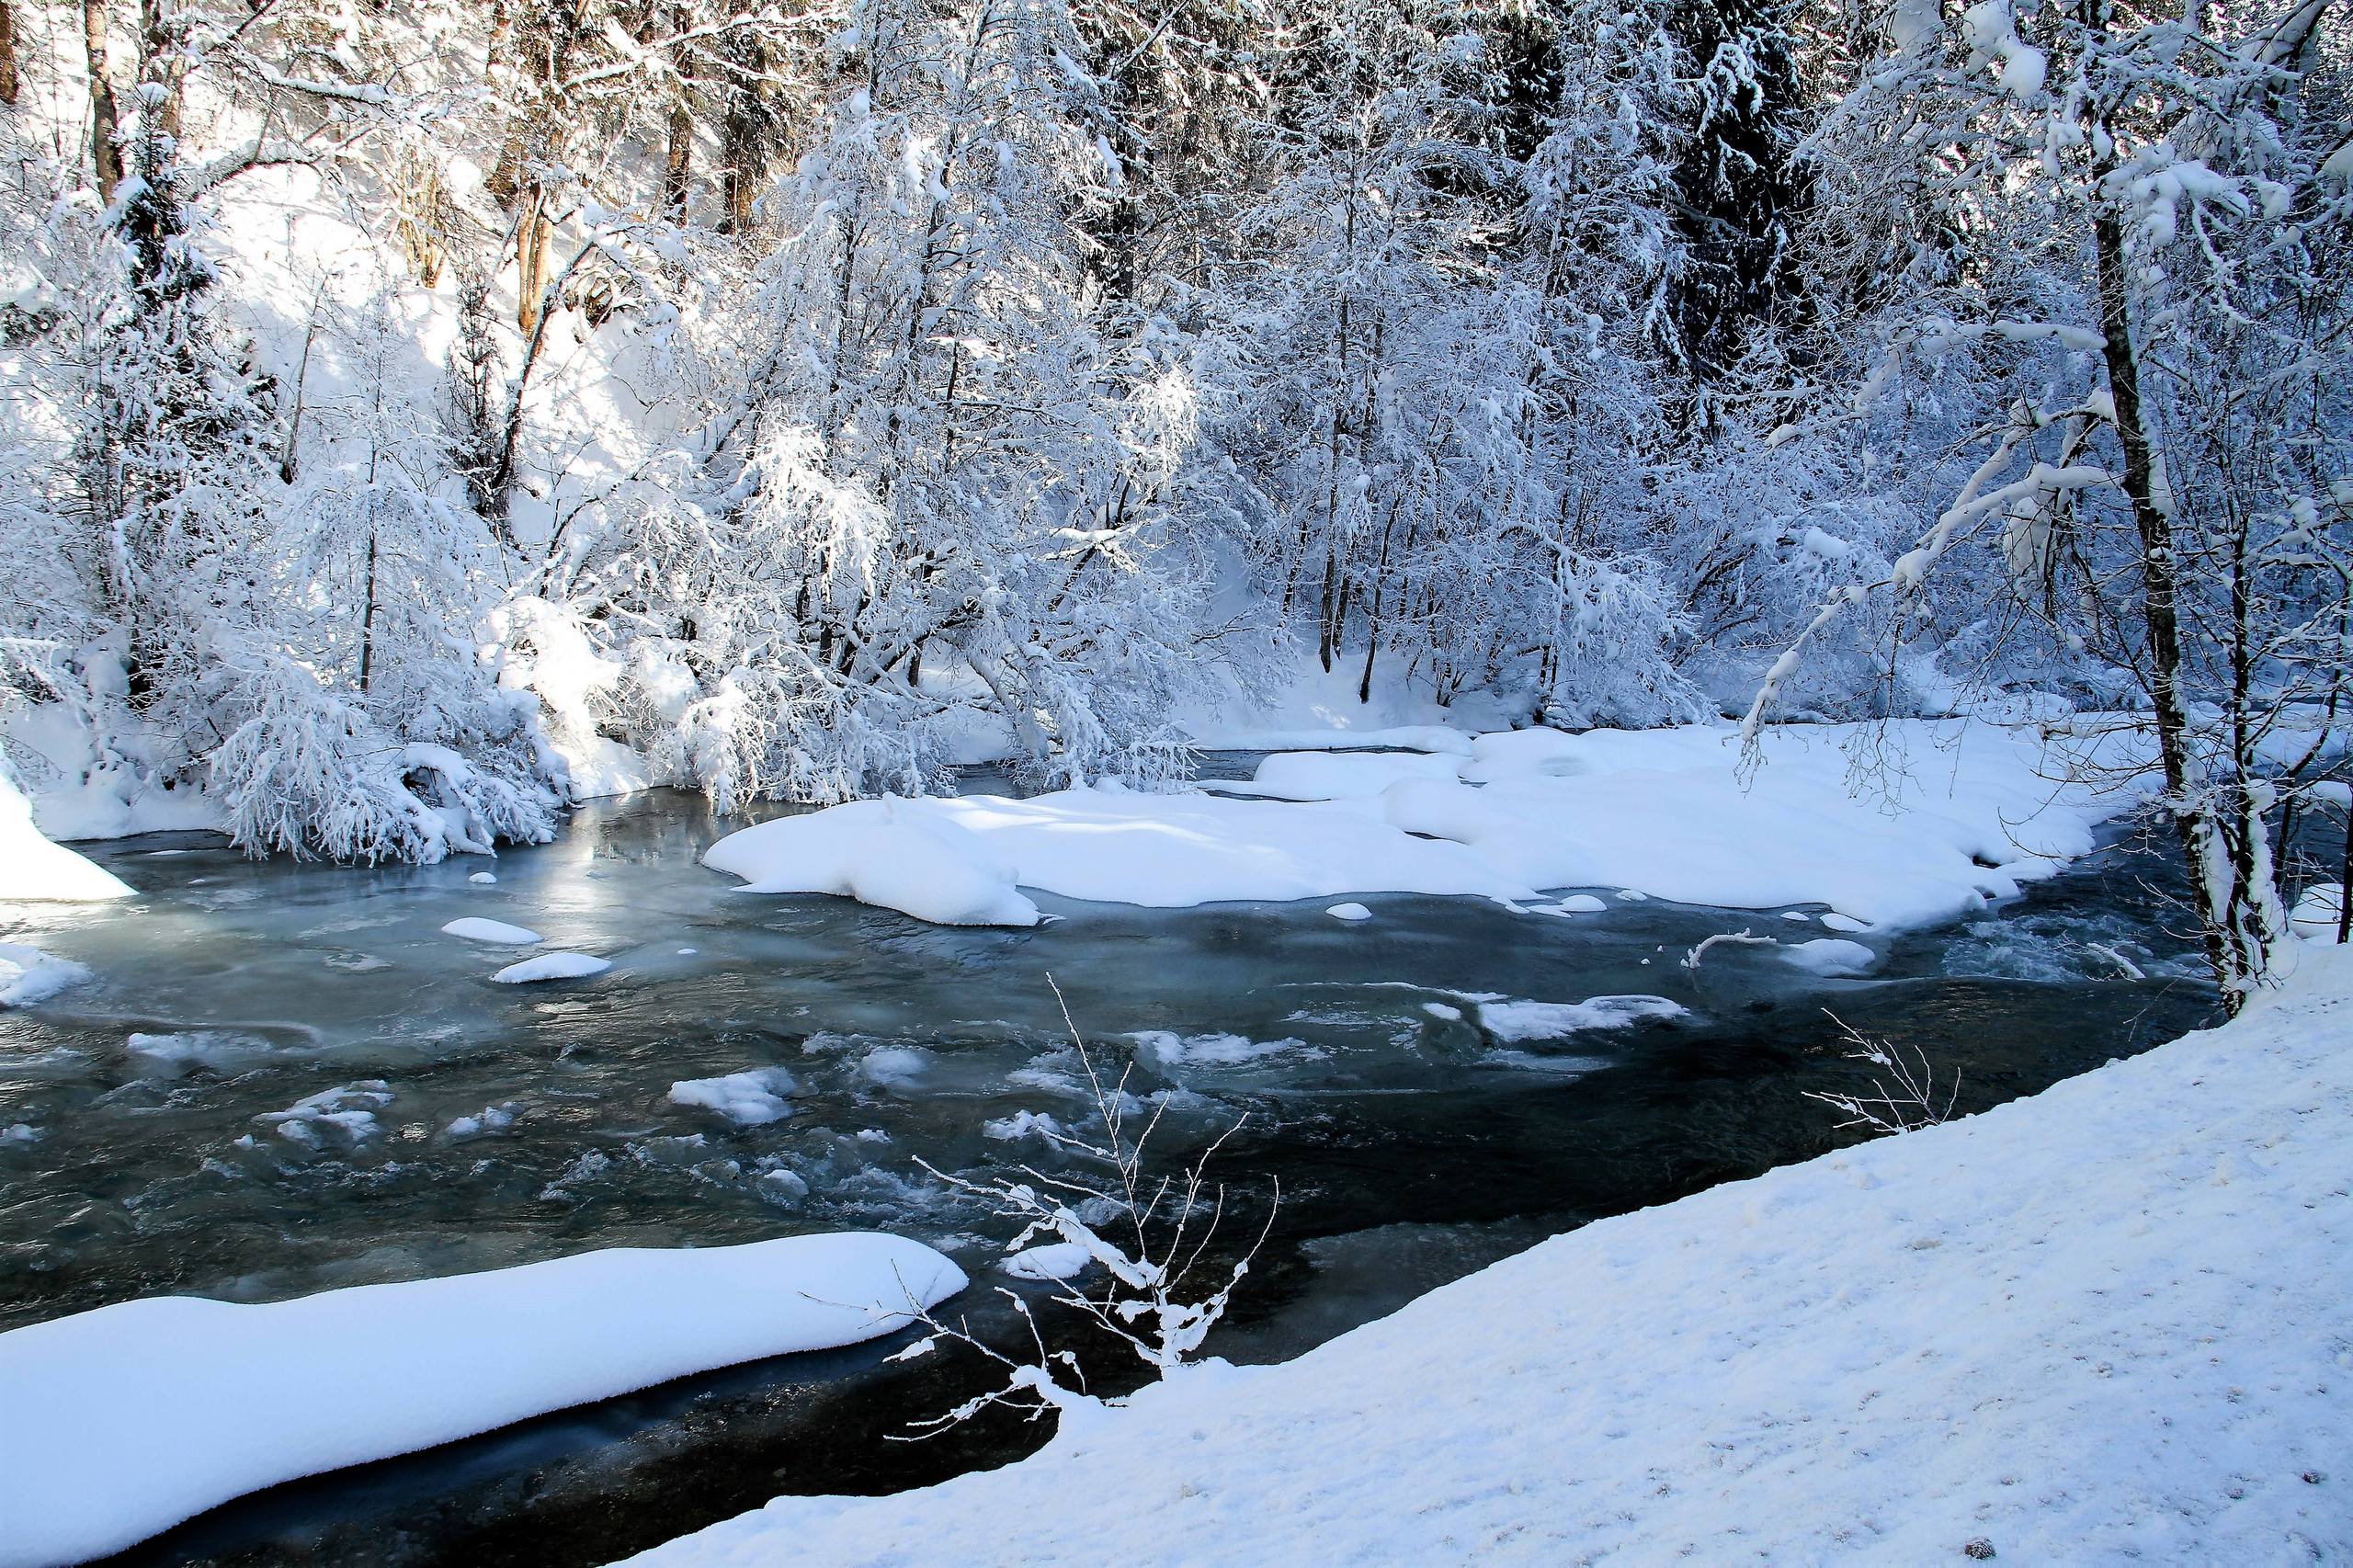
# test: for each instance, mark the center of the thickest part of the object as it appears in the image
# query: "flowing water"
(285, 1078)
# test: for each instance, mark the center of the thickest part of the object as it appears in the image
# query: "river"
(498, 1124)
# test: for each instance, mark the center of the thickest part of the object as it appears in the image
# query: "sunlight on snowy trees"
(423, 417)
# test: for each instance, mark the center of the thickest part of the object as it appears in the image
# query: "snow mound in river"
(27, 975)
(474, 928)
(748, 1100)
(891, 853)
(552, 966)
(124, 1421)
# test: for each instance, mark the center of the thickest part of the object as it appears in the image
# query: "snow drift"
(1960, 813)
(33, 868)
(124, 1421)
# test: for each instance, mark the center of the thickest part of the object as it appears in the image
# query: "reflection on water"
(286, 1078)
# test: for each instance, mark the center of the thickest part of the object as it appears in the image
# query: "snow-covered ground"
(2102, 1325)
(119, 1422)
(33, 868)
(1893, 824)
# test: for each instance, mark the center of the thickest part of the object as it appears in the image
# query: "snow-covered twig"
(1728, 938)
(1907, 1102)
(1166, 1225)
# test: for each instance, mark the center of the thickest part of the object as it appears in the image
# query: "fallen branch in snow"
(1142, 1300)
(1910, 1103)
(1730, 938)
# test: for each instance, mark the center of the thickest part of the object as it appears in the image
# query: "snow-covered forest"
(421, 415)
(735, 729)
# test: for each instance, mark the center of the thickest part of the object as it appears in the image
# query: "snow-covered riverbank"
(2101, 1324)
(121, 1422)
(1899, 823)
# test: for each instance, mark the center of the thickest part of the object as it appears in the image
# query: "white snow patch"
(1054, 1260)
(219, 1050)
(28, 976)
(1583, 904)
(1837, 922)
(490, 1119)
(1019, 1125)
(1830, 955)
(1552, 1020)
(893, 1064)
(1435, 738)
(552, 966)
(752, 1098)
(1350, 911)
(1332, 775)
(348, 1111)
(2046, 1326)
(1654, 813)
(1211, 1049)
(33, 868)
(474, 928)
(483, 879)
(2315, 916)
(126, 1420)
(901, 854)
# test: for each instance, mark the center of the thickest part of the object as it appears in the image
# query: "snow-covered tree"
(2103, 248)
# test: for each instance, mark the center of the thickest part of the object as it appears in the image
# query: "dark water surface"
(1411, 1147)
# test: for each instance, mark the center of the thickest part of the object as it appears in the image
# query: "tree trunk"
(7, 55)
(368, 619)
(2219, 822)
(106, 156)
(155, 65)
(674, 165)
(531, 238)
(743, 148)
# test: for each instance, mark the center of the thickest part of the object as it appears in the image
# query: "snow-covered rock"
(1830, 955)
(552, 966)
(27, 975)
(1054, 1260)
(752, 1098)
(2102, 1325)
(124, 1421)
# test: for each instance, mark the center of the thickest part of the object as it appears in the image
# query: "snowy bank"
(2102, 1325)
(33, 868)
(1954, 813)
(124, 1421)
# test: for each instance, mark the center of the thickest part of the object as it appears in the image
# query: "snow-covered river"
(286, 1077)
